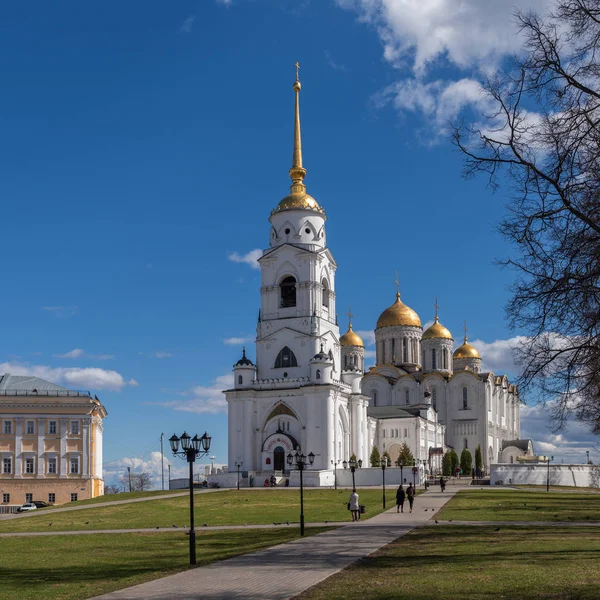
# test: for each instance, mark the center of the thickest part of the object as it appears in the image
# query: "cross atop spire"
(397, 286)
(350, 315)
(437, 308)
(297, 68)
(466, 332)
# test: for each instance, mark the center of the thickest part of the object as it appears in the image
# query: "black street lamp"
(191, 449)
(548, 459)
(300, 461)
(400, 463)
(415, 470)
(334, 462)
(352, 464)
(238, 465)
(384, 464)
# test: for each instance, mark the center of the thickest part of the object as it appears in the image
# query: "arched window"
(325, 293)
(285, 358)
(465, 399)
(393, 350)
(288, 292)
(433, 359)
(404, 351)
(466, 441)
(374, 396)
(384, 433)
(240, 380)
(434, 398)
(407, 396)
(318, 373)
(445, 357)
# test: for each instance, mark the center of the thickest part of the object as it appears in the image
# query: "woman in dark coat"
(400, 496)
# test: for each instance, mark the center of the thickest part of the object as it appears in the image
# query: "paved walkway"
(286, 570)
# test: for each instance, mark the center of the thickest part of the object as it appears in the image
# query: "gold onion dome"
(437, 330)
(298, 199)
(350, 338)
(398, 314)
(466, 351)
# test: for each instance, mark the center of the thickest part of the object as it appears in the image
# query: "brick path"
(282, 572)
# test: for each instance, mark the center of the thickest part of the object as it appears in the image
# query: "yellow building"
(50, 442)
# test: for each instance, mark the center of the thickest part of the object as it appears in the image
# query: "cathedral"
(309, 391)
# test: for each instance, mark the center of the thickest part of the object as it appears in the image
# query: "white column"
(97, 458)
(85, 468)
(64, 424)
(18, 448)
(41, 424)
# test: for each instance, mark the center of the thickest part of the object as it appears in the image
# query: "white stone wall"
(565, 475)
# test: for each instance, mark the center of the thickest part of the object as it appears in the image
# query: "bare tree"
(112, 489)
(140, 482)
(541, 132)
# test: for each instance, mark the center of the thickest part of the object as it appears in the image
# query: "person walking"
(410, 494)
(442, 483)
(354, 506)
(400, 496)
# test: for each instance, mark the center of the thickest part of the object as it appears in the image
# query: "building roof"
(521, 444)
(388, 412)
(25, 385)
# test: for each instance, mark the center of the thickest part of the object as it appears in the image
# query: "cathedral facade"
(308, 390)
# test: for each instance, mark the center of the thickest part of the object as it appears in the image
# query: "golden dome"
(466, 351)
(298, 201)
(398, 314)
(437, 330)
(350, 338)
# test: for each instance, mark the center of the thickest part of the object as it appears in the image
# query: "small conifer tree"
(375, 458)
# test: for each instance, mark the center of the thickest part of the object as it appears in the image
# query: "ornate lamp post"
(238, 465)
(191, 449)
(300, 461)
(352, 464)
(548, 459)
(334, 463)
(415, 471)
(384, 464)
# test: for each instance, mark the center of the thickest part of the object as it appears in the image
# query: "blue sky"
(145, 144)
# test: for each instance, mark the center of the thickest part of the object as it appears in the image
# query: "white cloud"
(158, 354)
(76, 353)
(227, 3)
(333, 64)
(203, 399)
(368, 336)
(425, 33)
(62, 312)
(498, 356)
(71, 377)
(79, 353)
(236, 341)
(568, 445)
(249, 258)
(187, 25)
(468, 36)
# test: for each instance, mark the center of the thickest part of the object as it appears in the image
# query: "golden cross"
(465, 331)
(436, 306)
(297, 67)
(350, 315)
(397, 283)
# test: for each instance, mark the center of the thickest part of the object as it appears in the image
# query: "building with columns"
(50, 442)
(308, 390)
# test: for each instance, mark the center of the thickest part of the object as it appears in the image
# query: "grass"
(228, 507)
(474, 563)
(509, 505)
(115, 497)
(76, 567)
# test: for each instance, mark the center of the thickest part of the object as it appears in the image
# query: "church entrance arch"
(279, 459)
(275, 449)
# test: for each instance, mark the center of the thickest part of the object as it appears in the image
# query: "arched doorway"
(279, 459)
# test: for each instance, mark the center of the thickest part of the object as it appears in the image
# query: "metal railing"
(50, 393)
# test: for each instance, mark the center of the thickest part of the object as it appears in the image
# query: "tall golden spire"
(297, 172)
(437, 308)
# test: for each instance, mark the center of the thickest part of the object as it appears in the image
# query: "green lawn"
(509, 505)
(116, 497)
(228, 507)
(474, 563)
(77, 567)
